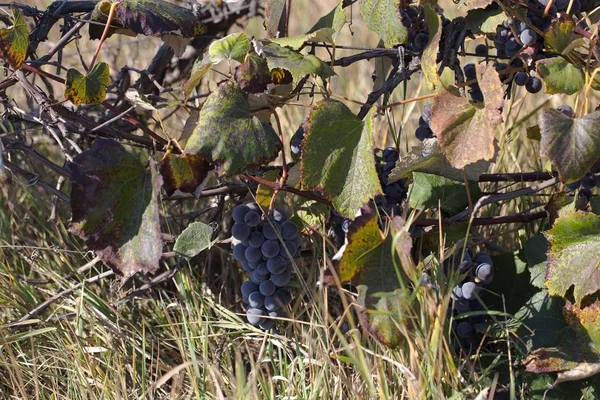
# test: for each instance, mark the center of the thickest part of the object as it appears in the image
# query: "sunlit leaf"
(194, 239)
(115, 208)
(429, 58)
(231, 47)
(297, 63)
(574, 255)
(295, 42)
(559, 35)
(572, 144)
(89, 88)
(14, 40)
(384, 17)
(465, 130)
(337, 157)
(586, 321)
(335, 19)
(485, 20)
(201, 66)
(228, 136)
(560, 76)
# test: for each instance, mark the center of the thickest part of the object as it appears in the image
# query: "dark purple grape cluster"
(479, 270)
(512, 36)
(585, 185)
(394, 192)
(265, 247)
(423, 130)
(413, 18)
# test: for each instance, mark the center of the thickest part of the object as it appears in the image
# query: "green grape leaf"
(253, 74)
(184, 173)
(228, 136)
(560, 76)
(337, 157)
(273, 15)
(115, 209)
(382, 319)
(334, 19)
(541, 320)
(146, 17)
(194, 239)
(466, 131)
(14, 40)
(384, 18)
(574, 255)
(571, 144)
(232, 47)
(89, 88)
(585, 321)
(559, 35)
(201, 66)
(483, 21)
(427, 157)
(296, 42)
(429, 58)
(296, 63)
(428, 190)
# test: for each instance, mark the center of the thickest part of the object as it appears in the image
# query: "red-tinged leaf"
(185, 173)
(465, 130)
(253, 75)
(147, 17)
(14, 40)
(585, 321)
(89, 88)
(115, 208)
(556, 359)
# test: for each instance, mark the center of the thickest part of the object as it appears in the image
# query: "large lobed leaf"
(14, 40)
(574, 255)
(465, 130)
(572, 144)
(231, 47)
(560, 76)
(228, 136)
(115, 209)
(337, 157)
(89, 88)
(384, 17)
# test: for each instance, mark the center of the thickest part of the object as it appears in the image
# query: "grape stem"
(276, 186)
(284, 170)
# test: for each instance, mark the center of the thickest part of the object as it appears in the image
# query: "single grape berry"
(276, 265)
(470, 72)
(252, 219)
(239, 252)
(422, 134)
(240, 231)
(270, 248)
(271, 229)
(390, 154)
(485, 273)
(256, 239)
(533, 85)
(257, 277)
(239, 212)
(267, 324)
(464, 329)
(272, 303)
(255, 315)
(282, 279)
(468, 290)
(249, 288)
(267, 287)
(483, 257)
(528, 37)
(420, 42)
(521, 78)
(256, 300)
(566, 109)
(481, 50)
(289, 230)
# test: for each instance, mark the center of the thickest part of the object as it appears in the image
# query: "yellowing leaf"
(90, 88)
(14, 40)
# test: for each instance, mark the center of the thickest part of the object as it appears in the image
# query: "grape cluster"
(414, 19)
(479, 270)
(265, 247)
(585, 184)
(512, 36)
(394, 192)
(423, 130)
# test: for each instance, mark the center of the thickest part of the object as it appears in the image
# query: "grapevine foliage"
(402, 222)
